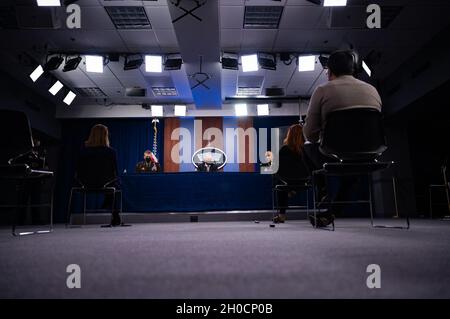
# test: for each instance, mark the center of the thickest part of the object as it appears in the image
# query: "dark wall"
(429, 135)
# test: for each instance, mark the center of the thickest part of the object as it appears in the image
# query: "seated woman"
(292, 167)
(97, 166)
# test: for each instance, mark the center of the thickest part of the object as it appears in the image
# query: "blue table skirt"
(196, 191)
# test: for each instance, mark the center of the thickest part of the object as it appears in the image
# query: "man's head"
(148, 156)
(340, 63)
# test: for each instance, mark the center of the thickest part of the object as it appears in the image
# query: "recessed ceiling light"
(55, 88)
(180, 110)
(94, 63)
(37, 73)
(69, 98)
(240, 109)
(249, 63)
(306, 63)
(153, 63)
(48, 3)
(334, 3)
(263, 109)
(157, 110)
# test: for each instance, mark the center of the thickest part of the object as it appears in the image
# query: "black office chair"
(355, 139)
(297, 185)
(102, 182)
(16, 145)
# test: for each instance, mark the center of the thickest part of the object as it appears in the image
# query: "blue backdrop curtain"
(129, 137)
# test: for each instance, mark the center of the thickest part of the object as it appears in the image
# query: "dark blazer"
(292, 165)
(96, 166)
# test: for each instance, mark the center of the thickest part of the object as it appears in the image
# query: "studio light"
(263, 109)
(240, 109)
(366, 68)
(37, 73)
(71, 64)
(324, 61)
(267, 61)
(157, 110)
(230, 61)
(56, 88)
(94, 63)
(334, 3)
(180, 110)
(153, 63)
(69, 98)
(306, 63)
(173, 62)
(249, 63)
(48, 3)
(133, 62)
(54, 63)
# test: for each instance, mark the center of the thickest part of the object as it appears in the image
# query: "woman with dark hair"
(293, 166)
(97, 166)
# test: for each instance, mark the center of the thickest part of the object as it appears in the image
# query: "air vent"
(164, 91)
(248, 91)
(8, 18)
(91, 92)
(262, 17)
(389, 13)
(274, 92)
(130, 18)
(135, 92)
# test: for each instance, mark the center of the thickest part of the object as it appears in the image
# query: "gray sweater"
(341, 93)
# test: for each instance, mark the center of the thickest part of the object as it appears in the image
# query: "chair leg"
(84, 208)
(69, 210)
(314, 200)
(430, 191)
(369, 181)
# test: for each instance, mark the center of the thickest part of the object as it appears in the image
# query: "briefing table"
(196, 191)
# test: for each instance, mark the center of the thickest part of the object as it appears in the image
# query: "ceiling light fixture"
(263, 109)
(157, 110)
(180, 110)
(306, 63)
(48, 3)
(69, 98)
(56, 88)
(133, 62)
(240, 109)
(36, 73)
(249, 63)
(153, 63)
(334, 3)
(71, 64)
(94, 63)
(54, 63)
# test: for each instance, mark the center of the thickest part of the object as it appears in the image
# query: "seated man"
(208, 164)
(342, 91)
(149, 164)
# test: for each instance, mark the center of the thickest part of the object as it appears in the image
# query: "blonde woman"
(97, 166)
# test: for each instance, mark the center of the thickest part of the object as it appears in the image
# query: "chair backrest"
(354, 134)
(96, 167)
(15, 135)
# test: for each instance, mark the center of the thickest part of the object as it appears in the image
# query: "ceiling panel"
(231, 17)
(258, 39)
(144, 39)
(296, 17)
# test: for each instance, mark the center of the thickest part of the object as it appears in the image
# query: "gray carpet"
(229, 260)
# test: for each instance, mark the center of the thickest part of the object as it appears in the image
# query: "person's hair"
(295, 139)
(99, 136)
(341, 63)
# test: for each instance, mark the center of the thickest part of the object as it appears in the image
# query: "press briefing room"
(203, 151)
